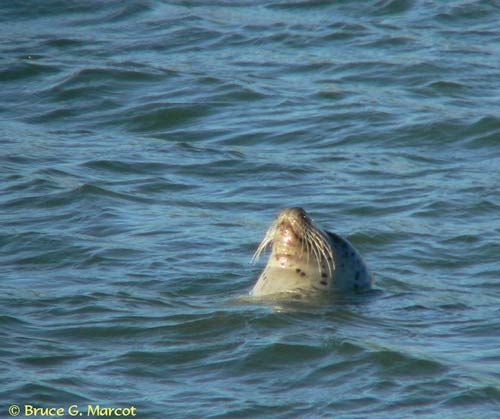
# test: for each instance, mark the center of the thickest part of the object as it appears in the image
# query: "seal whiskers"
(309, 238)
(268, 238)
(324, 248)
(312, 241)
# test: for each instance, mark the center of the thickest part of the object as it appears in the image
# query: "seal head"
(304, 257)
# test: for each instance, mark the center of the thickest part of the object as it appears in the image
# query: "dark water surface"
(145, 148)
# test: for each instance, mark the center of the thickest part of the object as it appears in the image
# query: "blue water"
(146, 147)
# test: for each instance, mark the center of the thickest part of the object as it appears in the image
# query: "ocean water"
(146, 147)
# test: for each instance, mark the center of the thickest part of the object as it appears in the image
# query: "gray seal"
(306, 258)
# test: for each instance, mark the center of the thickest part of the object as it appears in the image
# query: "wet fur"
(306, 258)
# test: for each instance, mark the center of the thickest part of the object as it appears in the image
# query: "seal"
(306, 258)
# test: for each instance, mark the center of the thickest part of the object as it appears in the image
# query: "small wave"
(481, 399)
(392, 7)
(51, 392)
(163, 116)
(300, 4)
(468, 12)
(27, 69)
(69, 198)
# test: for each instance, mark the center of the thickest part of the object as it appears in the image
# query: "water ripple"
(146, 148)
